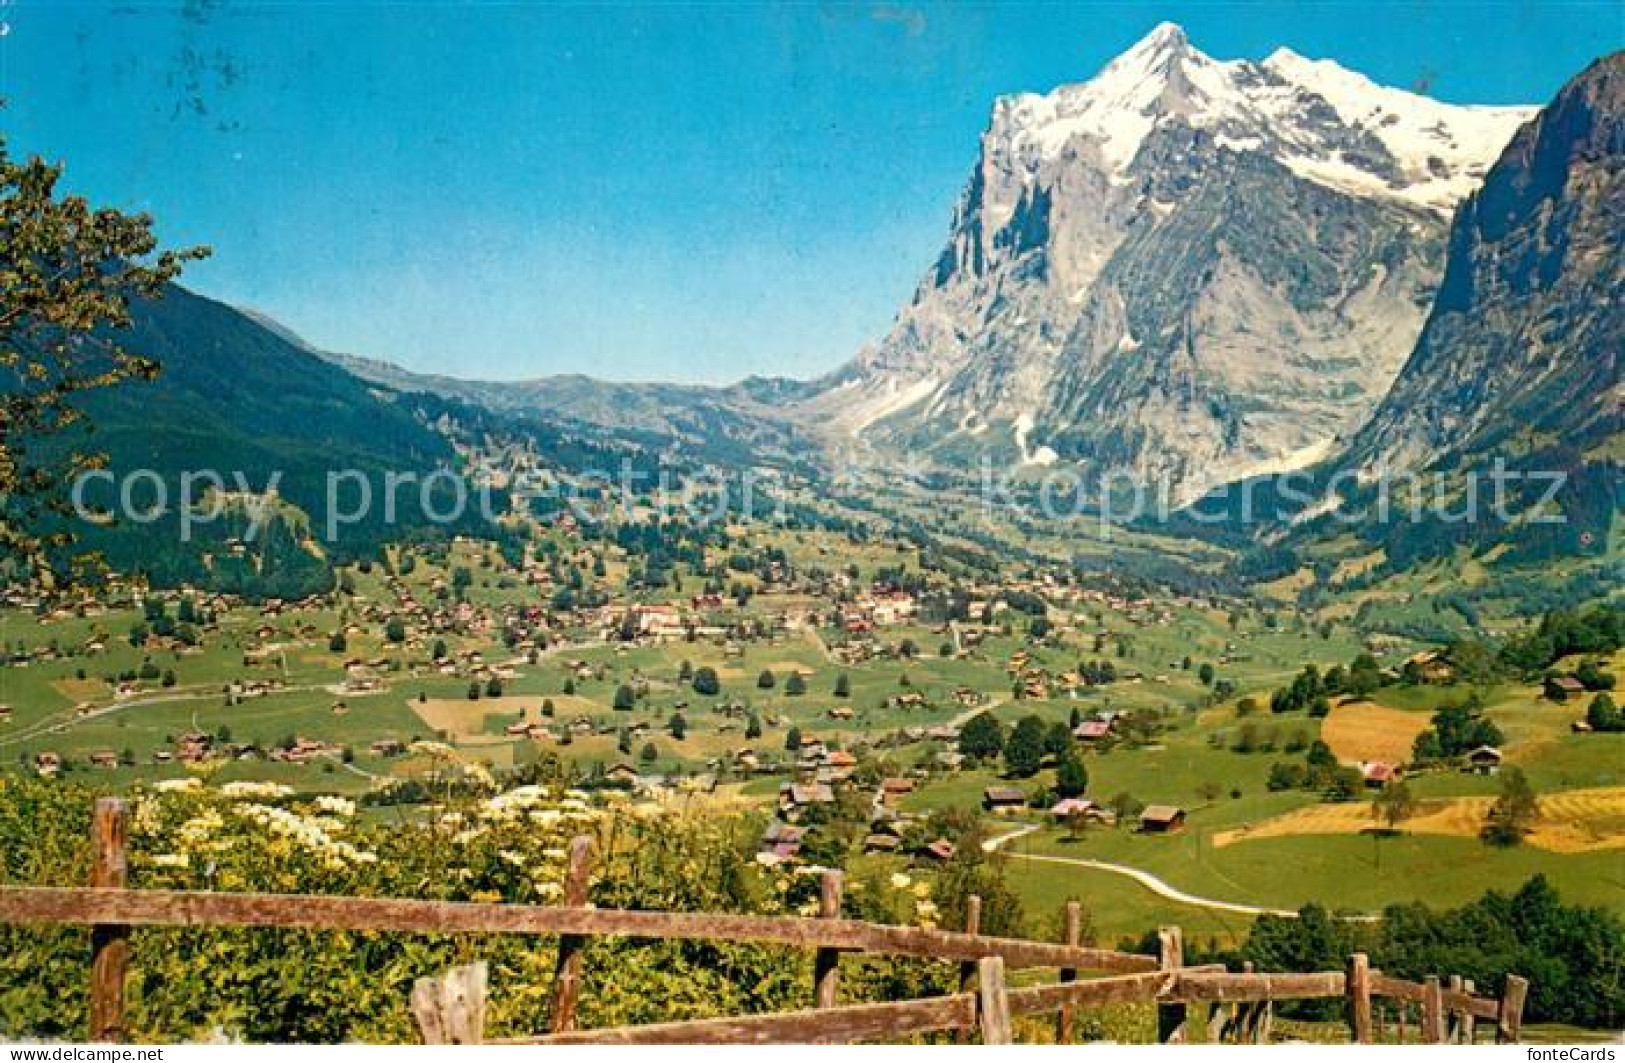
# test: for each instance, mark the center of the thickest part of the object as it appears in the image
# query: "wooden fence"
(1190, 1001)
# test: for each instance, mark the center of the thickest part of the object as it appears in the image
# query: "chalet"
(1378, 774)
(47, 762)
(1162, 819)
(942, 733)
(949, 760)
(895, 787)
(622, 773)
(193, 747)
(1485, 760)
(1003, 799)
(1430, 667)
(803, 795)
(881, 843)
(5, 713)
(841, 759)
(388, 747)
(941, 849)
(1068, 807)
(104, 758)
(1092, 730)
(840, 712)
(518, 728)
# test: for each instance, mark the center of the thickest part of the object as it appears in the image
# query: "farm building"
(1068, 807)
(1162, 819)
(1485, 760)
(800, 795)
(1003, 799)
(881, 843)
(1563, 687)
(895, 787)
(1378, 774)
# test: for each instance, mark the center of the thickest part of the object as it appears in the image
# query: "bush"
(706, 682)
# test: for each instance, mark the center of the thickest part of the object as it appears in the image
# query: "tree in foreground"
(69, 273)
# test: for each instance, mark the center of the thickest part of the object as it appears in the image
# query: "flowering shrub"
(328, 986)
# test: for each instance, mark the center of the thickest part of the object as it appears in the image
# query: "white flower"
(171, 860)
(334, 805)
(265, 791)
(901, 881)
(189, 784)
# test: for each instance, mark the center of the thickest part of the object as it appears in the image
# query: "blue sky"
(682, 191)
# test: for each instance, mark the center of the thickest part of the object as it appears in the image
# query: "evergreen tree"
(1024, 750)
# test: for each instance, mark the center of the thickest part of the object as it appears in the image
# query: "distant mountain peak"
(1197, 267)
(1330, 124)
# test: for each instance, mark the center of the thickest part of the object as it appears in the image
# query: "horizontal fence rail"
(30, 904)
(450, 1008)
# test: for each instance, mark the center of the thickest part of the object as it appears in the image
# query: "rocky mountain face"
(1192, 269)
(1518, 367)
(1522, 348)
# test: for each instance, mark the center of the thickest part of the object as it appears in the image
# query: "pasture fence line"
(1219, 1005)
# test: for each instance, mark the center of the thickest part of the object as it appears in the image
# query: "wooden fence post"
(1171, 1017)
(967, 970)
(1469, 1021)
(1509, 1023)
(1432, 1011)
(450, 1010)
(1074, 932)
(1359, 998)
(827, 962)
(567, 973)
(995, 1004)
(109, 943)
(1452, 1014)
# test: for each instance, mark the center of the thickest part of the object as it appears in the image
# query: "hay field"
(1574, 821)
(1359, 731)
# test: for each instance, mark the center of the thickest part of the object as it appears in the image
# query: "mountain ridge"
(1133, 254)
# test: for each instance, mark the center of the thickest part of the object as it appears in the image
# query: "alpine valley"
(1193, 272)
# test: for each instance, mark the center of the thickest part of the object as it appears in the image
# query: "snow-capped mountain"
(1193, 268)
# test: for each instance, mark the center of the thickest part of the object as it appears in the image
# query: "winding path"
(1144, 878)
